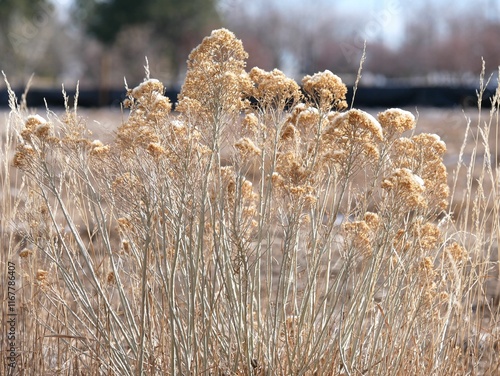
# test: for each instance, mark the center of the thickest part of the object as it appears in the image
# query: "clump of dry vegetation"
(257, 230)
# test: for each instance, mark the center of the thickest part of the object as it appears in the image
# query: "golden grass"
(292, 235)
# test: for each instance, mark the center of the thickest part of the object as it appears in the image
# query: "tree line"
(101, 42)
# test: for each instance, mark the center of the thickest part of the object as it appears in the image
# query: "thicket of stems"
(258, 229)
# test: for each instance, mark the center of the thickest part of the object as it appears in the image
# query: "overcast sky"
(382, 19)
(385, 18)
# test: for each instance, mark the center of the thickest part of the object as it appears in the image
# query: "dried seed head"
(216, 66)
(111, 278)
(43, 130)
(251, 123)
(289, 132)
(34, 121)
(126, 246)
(457, 253)
(128, 103)
(289, 166)
(423, 154)
(24, 156)
(407, 188)
(365, 121)
(97, 148)
(147, 88)
(278, 181)
(247, 147)
(96, 144)
(426, 270)
(396, 121)
(308, 117)
(35, 124)
(25, 253)
(326, 89)
(372, 220)
(274, 88)
(359, 236)
(124, 224)
(306, 191)
(430, 143)
(41, 276)
(156, 150)
(351, 139)
(247, 190)
(427, 235)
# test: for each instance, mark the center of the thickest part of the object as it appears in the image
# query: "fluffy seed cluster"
(423, 155)
(304, 117)
(111, 278)
(149, 97)
(289, 133)
(36, 125)
(327, 90)
(359, 235)
(247, 148)
(426, 274)
(418, 239)
(351, 139)
(126, 186)
(291, 174)
(456, 253)
(156, 150)
(427, 269)
(395, 121)
(41, 277)
(426, 234)
(372, 220)
(216, 81)
(152, 133)
(24, 157)
(149, 109)
(36, 137)
(406, 187)
(98, 149)
(26, 252)
(251, 124)
(274, 88)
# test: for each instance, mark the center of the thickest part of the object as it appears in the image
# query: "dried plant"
(260, 229)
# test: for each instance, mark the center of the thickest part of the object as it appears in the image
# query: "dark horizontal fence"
(426, 96)
(384, 97)
(86, 97)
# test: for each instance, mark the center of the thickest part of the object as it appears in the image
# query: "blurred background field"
(99, 43)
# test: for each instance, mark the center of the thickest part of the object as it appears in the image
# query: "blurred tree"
(423, 32)
(26, 28)
(27, 8)
(105, 19)
(381, 59)
(176, 24)
(289, 40)
(438, 45)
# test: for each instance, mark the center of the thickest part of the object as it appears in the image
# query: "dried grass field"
(291, 235)
(449, 123)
